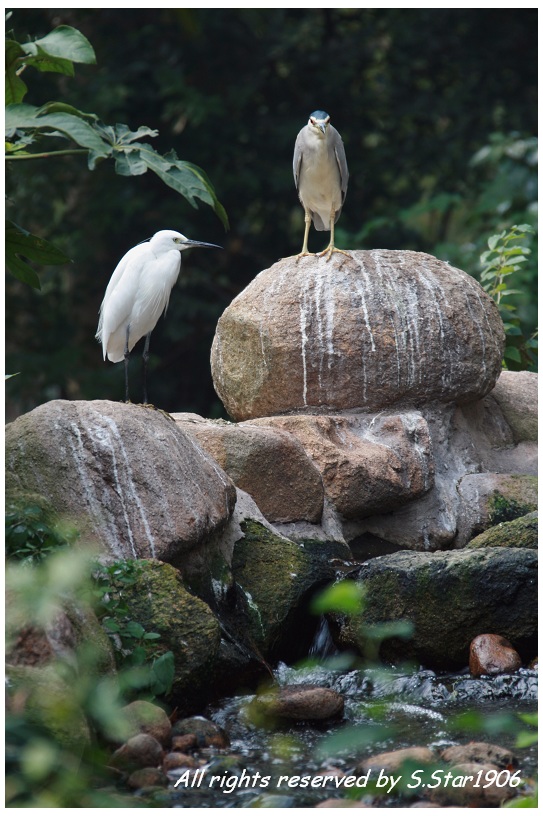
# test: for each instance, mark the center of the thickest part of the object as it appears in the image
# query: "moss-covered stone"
(520, 533)
(159, 601)
(449, 598)
(277, 577)
(518, 498)
(49, 703)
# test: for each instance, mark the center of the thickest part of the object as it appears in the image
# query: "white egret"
(137, 294)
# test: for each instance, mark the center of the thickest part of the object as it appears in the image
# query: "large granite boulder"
(134, 481)
(382, 328)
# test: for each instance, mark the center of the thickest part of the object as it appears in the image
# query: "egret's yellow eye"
(177, 240)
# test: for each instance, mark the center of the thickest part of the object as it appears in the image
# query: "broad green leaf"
(21, 245)
(351, 740)
(512, 353)
(123, 134)
(345, 596)
(184, 178)
(129, 162)
(62, 107)
(65, 42)
(55, 65)
(15, 87)
(163, 673)
(134, 629)
(26, 117)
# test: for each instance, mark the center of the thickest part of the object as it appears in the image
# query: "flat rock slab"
(140, 486)
(381, 328)
(300, 703)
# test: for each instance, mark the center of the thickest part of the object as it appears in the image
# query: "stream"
(385, 709)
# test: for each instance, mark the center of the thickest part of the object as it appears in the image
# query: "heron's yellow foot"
(303, 254)
(329, 250)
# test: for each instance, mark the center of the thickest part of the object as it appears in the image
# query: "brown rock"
(267, 463)
(175, 759)
(379, 329)
(141, 751)
(146, 778)
(516, 393)
(483, 753)
(392, 760)
(184, 743)
(492, 654)
(136, 482)
(368, 463)
(206, 732)
(470, 794)
(146, 718)
(300, 703)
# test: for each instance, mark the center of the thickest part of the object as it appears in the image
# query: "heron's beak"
(189, 243)
(322, 126)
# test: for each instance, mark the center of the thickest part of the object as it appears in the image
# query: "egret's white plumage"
(139, 292)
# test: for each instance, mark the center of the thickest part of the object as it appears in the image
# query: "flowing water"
(385, 709)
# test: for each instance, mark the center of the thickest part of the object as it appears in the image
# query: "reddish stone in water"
(492, 654)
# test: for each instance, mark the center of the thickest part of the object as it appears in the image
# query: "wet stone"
(300, 703)
(146, 778)
(141, 751)
(492, 654)
(175, 759)
(206, 732)
(480, 752)
(392, 760)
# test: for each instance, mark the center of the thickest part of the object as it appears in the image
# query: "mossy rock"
(449, 597)
(277, 578)
(519, 497)
(49, 702)
(520, 533)
(158, 600)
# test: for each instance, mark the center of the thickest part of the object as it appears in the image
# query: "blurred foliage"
(49, 763)
(437, 109)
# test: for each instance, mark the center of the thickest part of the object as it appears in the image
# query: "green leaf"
(512, 353)
(351, 740)
(134, 629)
(163, 673)
(62, 107)
(345, 596)
(22, 244)
(65, 42)
(15, 87)
(56, 65)
(129, 162)
(27, 117)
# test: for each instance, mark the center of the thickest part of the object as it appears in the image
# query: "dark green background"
(415, 94)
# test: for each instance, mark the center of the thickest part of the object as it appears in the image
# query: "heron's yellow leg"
(331, 248)
(305, 250)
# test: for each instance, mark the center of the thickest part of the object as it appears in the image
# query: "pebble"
(207, 734)
(146, 718)
(482, 753)
(177, 760)
(146, 778)
(492, 654)
(392, 760)
(185, 743)
(301, 703)
(141, 751)
(341, 803)
(470, 796)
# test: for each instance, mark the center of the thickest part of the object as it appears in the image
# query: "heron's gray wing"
(297, 160)
(341, 159)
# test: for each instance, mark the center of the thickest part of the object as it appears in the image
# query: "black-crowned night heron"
(321, 176)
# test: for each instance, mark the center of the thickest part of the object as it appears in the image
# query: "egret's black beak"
(189, 243)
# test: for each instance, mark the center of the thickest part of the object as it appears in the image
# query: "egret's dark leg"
(145, 358)
(126, 359)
